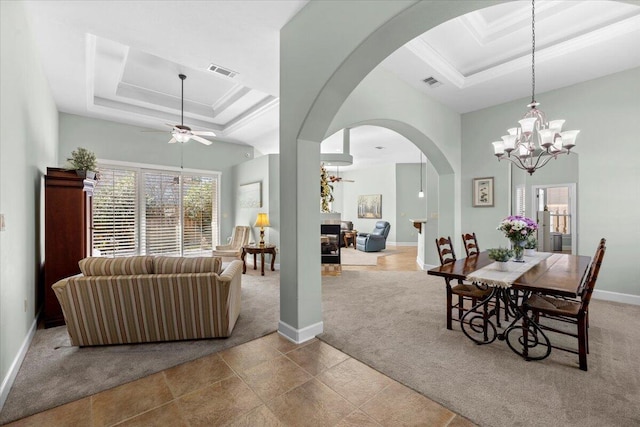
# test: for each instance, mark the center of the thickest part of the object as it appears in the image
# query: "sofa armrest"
(224, 248)
(376, 237)
(363, 234)
(233, 274)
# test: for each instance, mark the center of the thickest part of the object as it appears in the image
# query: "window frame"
(140, 169)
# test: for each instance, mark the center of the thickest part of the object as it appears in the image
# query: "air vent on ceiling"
(432, 82)
(223, 71)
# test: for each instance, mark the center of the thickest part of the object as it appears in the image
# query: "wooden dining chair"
(566, 310)
(470, 244)
(464, 291)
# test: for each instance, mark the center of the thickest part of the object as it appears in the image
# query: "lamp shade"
(262, 220)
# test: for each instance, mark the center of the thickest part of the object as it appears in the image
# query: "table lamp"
(262, 221)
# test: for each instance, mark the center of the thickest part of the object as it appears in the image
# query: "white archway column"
(300, 277)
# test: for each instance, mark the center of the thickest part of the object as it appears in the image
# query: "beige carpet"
(350, 256)
(395, 322)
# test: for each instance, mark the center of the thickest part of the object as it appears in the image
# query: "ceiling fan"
(181, 133)
(337, 177)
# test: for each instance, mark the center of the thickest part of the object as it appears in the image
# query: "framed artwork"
(483, 192)
(370, 206)
(250, 195)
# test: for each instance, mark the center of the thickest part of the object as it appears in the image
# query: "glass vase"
(518, 251)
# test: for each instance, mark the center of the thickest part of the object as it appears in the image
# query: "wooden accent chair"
(566, 310)
(462, 290)
(239, 239)
(470, 244)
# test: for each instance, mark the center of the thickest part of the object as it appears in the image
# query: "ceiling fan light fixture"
(181, 137)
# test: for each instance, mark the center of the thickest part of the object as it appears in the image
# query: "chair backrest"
(470, 244)
(382, 229)
(594, 270)
(445, 250)
(240, 236)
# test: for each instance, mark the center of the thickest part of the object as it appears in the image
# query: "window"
(115, 218)
(154, 212)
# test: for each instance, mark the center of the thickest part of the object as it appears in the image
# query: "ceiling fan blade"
(172, 141)
(203, 133)
(201, 139)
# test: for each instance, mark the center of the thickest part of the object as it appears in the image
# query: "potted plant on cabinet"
(84, 163)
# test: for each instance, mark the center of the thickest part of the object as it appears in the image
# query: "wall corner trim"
(299, 336)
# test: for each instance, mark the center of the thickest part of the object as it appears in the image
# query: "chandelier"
(519, 146)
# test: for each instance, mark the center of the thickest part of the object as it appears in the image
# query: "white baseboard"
(402, 243)
(8, 380)
(299, 336)
(424, 266)
(616, 297)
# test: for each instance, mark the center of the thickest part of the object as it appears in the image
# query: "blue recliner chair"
(374, 241)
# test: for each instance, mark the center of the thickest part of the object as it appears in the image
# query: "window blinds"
(155, 212)
(115, 219)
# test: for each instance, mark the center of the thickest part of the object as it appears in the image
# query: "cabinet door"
(67, 234)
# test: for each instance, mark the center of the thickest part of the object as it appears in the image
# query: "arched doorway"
(316, 81)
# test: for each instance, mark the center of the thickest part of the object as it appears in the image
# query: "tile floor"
(266, 382)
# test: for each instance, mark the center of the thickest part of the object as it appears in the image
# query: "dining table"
(556, 274)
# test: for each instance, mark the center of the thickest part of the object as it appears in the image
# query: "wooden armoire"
(68, 233)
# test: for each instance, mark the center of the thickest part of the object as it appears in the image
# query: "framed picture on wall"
(250, 195)
(483, 192)
(370, 206)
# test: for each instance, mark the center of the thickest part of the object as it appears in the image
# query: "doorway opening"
(555, 208)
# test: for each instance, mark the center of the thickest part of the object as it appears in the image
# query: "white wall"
(606, 111)
(122, 142)
(28, 144)
(408, 204)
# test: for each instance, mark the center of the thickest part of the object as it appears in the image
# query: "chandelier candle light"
(534, 127)
(262, 221)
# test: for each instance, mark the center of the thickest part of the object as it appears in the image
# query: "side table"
(257, 249)
(350, 237)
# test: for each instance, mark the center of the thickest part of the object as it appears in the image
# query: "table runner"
(490, 275)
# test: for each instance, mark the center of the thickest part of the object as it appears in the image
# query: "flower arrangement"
(326, 190)
(518, 228)
(500, 254)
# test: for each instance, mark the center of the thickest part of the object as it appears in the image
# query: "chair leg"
(525, 334)
(460, 307)
(485, 320)
(449, 306)
(582, 342)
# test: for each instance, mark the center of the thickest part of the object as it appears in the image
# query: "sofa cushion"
(99, 266)
(170, 265)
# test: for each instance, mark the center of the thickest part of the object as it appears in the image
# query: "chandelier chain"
(533, 52)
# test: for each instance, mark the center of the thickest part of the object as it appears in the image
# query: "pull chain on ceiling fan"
(182, 133)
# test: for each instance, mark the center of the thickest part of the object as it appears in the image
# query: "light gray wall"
(606, 111)
(408, 204)
(372, 180)
(122, 142)
(399, 185)
(262, 169)
(28, 144)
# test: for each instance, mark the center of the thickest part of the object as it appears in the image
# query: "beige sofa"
(147, 299)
